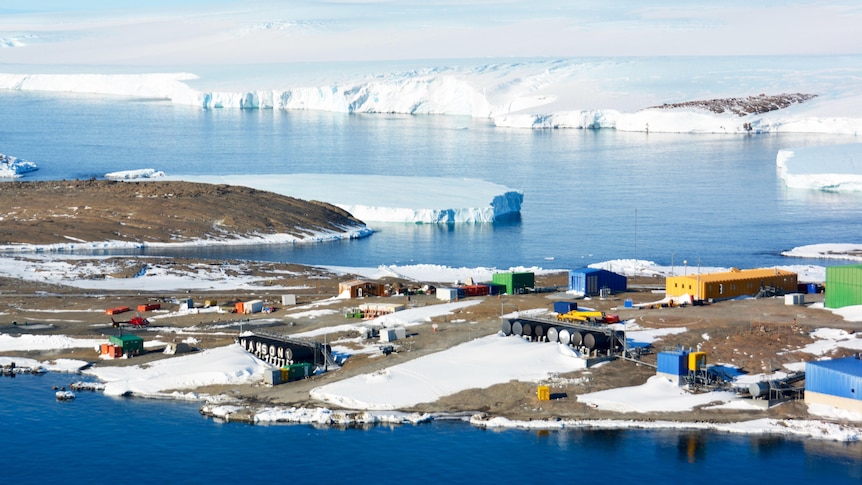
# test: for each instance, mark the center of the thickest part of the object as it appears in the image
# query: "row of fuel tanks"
(590, 337)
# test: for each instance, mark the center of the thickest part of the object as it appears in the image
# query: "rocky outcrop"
(750, 105)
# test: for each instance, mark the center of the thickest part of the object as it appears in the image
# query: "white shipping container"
(447, 294)
(272, 376)
(288, 300)
(253, 306)
(392, 334)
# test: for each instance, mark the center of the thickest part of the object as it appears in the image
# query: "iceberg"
(11, 167)
(143, 173)
(834, 168)
(387, 198)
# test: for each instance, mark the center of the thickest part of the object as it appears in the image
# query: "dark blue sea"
(590, 196)
(99, 439)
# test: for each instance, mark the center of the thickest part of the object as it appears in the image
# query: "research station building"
(360, 288)
(836, 382)
(843, 286)
(593, 281)
(731, 284)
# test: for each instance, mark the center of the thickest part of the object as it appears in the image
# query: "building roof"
(854, 266)
(354, 282)
(848, 365)
(738, 274)
(592, 270)
(127, 337)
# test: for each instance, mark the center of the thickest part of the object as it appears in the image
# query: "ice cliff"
(380, 198)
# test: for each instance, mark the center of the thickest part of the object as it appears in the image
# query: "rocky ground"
(743, 106)
(154, 212)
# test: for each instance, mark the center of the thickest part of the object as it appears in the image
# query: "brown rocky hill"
(744, 106)
(148, 212)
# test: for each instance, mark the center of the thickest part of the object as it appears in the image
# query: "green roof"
(128, 338)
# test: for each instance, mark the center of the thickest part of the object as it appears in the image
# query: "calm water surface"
(101, 439)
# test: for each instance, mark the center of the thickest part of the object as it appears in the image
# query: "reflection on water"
(691, 447)
(827, 456)
(391, 243)
(765, 445)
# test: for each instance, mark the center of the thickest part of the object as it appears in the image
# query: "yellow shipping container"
(544, 393)
(696, 360)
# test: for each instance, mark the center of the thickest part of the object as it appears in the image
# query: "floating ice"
(11, 167)
(143, 173)
(829, 168)
(379, 198)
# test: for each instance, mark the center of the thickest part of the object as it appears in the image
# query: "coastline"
(791, 428)
(505, 405)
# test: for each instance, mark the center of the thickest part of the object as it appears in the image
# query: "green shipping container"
(299, 371)
(515, 283)
(131, 344)
(843, 286)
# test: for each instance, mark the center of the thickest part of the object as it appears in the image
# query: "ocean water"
(589, 195)
(98, 439)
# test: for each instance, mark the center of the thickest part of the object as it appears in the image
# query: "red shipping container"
(149, 307)
(116, 310)
(477, 290)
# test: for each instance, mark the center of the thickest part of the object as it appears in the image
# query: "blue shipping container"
(674, 363)
(836, 377)
(565, 306)
(590, 281)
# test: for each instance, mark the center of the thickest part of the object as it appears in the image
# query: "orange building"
(360, 288)
(730, 284)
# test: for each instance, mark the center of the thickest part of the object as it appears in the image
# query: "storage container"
(543, 393)
(562, 307)
(696, 361)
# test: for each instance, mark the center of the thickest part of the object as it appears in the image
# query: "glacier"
(388, 198)
(532, 93)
